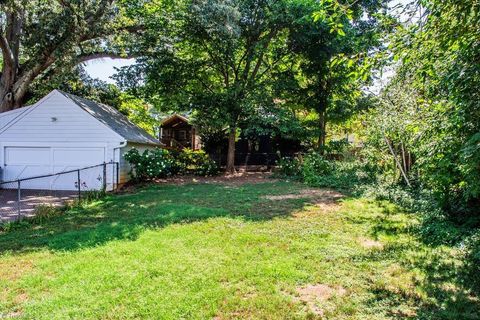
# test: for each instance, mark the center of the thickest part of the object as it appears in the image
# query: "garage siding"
(57, 135)
(57, 119)
(52, 136)
(24, 162)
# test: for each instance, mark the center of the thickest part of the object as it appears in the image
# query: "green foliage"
(314, 166)
(288, 167)
(91, 196)
(196, 162)
(429, 112)
(45, 39)
(315, 170)
(336, 147)
(150, 164)
(253, 65)
(43, 213)
(472, 250)
(139, 112)
(332, 64)
(219, 58)
(161, 163)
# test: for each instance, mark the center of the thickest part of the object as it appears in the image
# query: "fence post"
(78, 184)
(113, 175)
(19, 198)
(117, 175)
(104, 177)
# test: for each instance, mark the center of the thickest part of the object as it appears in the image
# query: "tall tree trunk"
(322, 133)
(12, 91)
(6, 95)
(231, 150)
(10, 47)
(14, 86)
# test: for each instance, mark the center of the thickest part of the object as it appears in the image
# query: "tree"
(216, 57)
(51, 36)
(431, 106)
(333, 46)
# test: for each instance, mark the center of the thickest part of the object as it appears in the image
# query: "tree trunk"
(12, 93)
(6, 95)
(397, 162)
(10, 47)
(322, 134)
(231, 150)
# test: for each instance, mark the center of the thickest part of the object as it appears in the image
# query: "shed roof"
(175, 116)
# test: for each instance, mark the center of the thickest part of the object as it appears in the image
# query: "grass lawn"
(272, 250)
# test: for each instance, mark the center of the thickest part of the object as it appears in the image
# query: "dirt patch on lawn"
(233, 180)
(236, 179)
(13, 269)
(322, 194)
(370, 243)
(325, 199)
(313, 295)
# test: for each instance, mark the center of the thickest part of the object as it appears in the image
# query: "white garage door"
(28, 162)
(24, 162)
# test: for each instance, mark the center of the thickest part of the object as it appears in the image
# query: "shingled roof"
(113, 119)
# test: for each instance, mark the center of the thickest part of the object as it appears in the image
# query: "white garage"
(63, 132)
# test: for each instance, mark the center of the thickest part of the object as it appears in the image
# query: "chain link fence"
(20, 198)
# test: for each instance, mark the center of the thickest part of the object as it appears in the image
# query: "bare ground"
(237, 179)
(314, 295)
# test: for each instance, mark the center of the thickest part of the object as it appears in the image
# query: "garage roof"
(7, 117)
(113, 119)
(108, 115)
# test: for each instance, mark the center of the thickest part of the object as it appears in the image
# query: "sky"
(104, 68)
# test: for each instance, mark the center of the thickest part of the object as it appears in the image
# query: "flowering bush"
(157, 163)
(288, 167)
(161, 163)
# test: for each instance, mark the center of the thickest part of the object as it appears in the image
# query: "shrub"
(157, 163)
(317, 171)
(337, 146)
(196, 162)
(351, 176)
(472, 257)
(315, 166)
(288, 167)
(161, 163)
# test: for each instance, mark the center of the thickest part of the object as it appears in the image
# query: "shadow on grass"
(447, 288)
(118, 217)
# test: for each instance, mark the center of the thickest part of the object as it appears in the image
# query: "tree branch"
(129, 29)
(7, 53)
(268, 39)
(99, 55)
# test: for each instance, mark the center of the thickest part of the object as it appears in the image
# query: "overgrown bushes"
(161, 163)
(195, 162)
(315, 170)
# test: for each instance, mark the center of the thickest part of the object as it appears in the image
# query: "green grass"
(204, 251)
